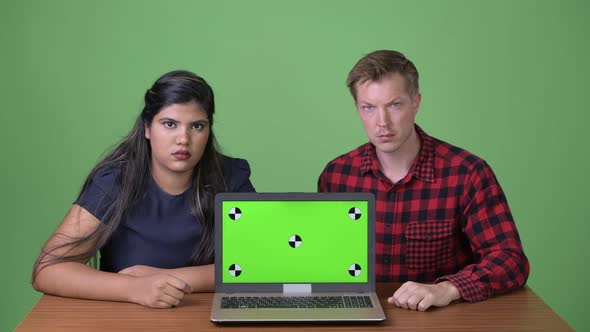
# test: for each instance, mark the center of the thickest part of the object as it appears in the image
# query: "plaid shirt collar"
(422, 167)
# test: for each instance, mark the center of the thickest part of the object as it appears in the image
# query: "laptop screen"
(294, 241)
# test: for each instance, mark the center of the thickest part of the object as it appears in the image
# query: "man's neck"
(395, 165)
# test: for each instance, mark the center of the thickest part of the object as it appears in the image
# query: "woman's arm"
(200, 278)
(75, 279)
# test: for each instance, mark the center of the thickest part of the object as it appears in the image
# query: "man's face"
(387, 112)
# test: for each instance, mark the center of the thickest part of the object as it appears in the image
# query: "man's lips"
(385, 137)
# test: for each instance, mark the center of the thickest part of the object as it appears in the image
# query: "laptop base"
(309, 315)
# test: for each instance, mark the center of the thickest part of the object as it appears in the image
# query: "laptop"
(295, 257)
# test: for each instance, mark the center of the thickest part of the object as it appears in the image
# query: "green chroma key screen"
(295, 241)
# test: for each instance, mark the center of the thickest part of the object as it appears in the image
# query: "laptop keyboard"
(280, 302)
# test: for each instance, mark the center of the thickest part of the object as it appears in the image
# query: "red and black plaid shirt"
(447, 219)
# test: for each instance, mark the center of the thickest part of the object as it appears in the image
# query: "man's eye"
(395, 106)
(368, 108)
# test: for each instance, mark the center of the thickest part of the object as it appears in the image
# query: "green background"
(506, 80)
(259, 241)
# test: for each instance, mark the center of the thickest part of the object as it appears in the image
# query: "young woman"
(147, 206)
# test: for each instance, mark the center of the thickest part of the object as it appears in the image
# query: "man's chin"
(388, 147)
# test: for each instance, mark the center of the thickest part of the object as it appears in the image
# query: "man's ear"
(146, 131)
(416, 101)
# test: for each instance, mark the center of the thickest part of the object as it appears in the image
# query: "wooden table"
(521, 310)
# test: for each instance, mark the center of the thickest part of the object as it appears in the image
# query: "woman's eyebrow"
(167, 119)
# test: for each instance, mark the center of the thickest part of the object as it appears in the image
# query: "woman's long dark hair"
(133, 157)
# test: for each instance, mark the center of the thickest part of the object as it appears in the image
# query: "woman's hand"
(200, 278)
(157, 290)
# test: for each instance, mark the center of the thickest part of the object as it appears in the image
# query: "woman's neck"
(171, 182)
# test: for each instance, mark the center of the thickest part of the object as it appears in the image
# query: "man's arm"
(501, 264)
(323, 182)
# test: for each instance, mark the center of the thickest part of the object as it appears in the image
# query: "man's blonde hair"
(378, 64)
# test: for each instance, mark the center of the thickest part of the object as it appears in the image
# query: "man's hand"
(141, 271)
(415, 296)
(158, 290)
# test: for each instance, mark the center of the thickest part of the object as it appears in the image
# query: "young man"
(443, 223)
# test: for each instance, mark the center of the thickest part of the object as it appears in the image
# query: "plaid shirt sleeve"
(500, 263)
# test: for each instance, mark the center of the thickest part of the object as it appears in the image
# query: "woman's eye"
(198, 126)
(169, 124)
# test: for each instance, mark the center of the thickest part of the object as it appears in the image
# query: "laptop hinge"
(296, 288)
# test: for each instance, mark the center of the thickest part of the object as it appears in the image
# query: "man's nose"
(383, 119)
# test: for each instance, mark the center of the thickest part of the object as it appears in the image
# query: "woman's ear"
(146, 130)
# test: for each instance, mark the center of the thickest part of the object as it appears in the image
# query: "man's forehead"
(384, 89)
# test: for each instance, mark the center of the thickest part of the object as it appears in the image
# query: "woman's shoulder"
(237, 174)
(230, 163)
(106, 179)
(100, 191)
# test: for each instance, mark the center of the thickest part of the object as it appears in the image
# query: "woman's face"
(178, 135)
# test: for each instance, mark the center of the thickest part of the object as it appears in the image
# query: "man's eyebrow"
(395, 99)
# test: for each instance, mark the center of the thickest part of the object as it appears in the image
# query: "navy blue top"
(160, 230)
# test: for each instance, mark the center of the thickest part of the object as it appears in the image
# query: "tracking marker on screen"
(354, 213)
(235, 213)
(295, 241)
(354, 270)
(235, 270)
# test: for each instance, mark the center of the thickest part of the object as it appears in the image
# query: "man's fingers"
(416, 296)
(413, 301)
(425, 303)
(399, 293)
(402, 289)
(403, 300)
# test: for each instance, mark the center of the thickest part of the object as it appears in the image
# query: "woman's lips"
(181, 155)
